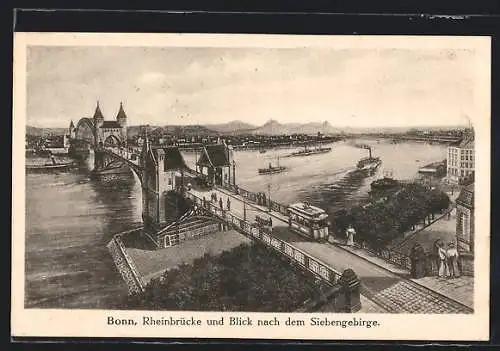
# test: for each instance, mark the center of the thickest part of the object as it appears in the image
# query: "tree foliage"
(247, 278)
(388, 218)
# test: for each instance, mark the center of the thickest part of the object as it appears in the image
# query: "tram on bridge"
(307, 220)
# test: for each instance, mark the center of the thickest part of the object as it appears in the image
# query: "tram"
(308, 220)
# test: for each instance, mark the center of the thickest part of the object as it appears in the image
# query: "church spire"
(98, 113)
(121, 112)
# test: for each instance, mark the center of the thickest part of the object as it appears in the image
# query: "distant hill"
(37, 131)
(190, 130)
(273, 127)
(233, 127)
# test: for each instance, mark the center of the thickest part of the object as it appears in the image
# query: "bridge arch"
(85, 130)
(112, 140)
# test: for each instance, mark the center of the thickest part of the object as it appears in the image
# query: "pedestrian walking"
(452, 261)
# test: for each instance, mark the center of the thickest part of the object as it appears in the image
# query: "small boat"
(272, 169)
(51, 167)
(436, 168)
(385, 183)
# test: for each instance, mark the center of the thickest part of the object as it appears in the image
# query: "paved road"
(390, 291)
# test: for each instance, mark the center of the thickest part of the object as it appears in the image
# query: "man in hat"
(452, 260)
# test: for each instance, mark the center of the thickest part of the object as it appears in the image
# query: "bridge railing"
(264, 235)
(257, 198)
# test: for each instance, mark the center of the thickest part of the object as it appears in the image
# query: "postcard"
(251, 186)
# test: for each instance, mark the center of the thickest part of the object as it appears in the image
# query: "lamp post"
(269, 195)
(234, 173)
(244, 209)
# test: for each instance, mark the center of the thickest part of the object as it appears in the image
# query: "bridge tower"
(72, 130)
(121, 118)
(98, 120)
(162, 178)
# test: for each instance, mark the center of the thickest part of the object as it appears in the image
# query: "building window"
(465, 227)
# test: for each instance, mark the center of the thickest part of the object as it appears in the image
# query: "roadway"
(392, 292)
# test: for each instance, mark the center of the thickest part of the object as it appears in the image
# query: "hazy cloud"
(214, 85)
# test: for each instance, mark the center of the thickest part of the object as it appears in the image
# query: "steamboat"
(308, 152)
(272, 169)
(368, 165)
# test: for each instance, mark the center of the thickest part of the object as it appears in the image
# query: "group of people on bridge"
(213, 199)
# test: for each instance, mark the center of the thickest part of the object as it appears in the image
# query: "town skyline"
(348, 88)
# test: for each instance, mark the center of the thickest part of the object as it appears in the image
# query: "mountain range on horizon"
(271, 127)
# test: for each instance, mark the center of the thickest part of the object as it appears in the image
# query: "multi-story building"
(460, 161)
(465, 219)
(465, 229)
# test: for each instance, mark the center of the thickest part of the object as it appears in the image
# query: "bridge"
(170, 189)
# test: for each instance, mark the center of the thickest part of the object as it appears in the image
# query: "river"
(70, 218)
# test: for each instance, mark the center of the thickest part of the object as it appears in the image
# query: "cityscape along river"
(70, 218)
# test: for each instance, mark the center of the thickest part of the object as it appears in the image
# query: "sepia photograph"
(252, 178)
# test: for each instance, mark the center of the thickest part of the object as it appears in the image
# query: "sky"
(200, 85)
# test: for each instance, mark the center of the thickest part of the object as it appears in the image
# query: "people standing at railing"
(443, 264)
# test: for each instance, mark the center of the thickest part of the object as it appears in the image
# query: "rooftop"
(121, 112)
(111, 124)
(98, 113)
(306, 209)
(466, 197)
(467, 142)
(215, 155)
(173, 157)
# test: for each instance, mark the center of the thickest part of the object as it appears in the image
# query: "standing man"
(228, 204)
(452, 260)
(220, 203)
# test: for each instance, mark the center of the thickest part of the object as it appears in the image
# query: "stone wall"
(467, 263)
(125, 265)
